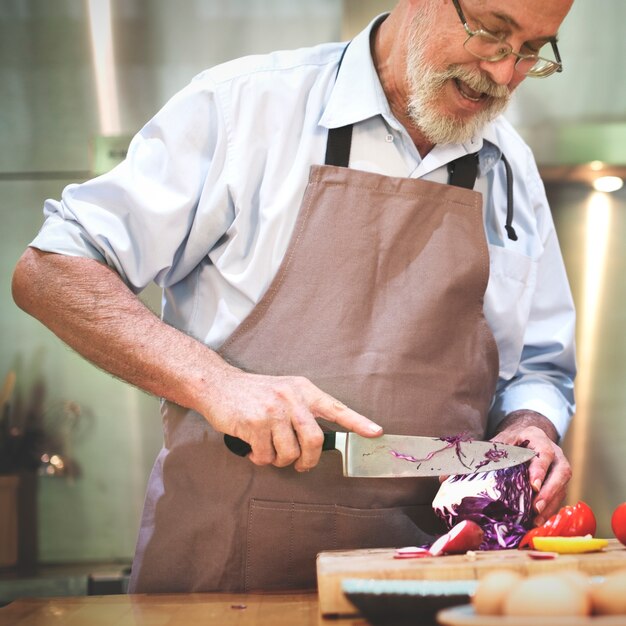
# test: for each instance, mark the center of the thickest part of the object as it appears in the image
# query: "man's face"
(448, 105)
(452, 94)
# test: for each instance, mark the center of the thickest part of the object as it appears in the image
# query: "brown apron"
(379, 302)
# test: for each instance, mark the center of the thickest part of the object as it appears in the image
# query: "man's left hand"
(549, 471)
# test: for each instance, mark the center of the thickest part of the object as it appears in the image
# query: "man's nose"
(501, 72)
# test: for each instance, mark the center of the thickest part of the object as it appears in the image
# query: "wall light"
(101, 29)
(608, 183)
(598, 229)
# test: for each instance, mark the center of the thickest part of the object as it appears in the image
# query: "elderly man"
(343, 234)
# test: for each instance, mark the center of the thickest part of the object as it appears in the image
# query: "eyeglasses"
(489, 47)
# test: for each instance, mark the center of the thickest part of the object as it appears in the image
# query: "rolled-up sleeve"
(154, 216)
(544, 381)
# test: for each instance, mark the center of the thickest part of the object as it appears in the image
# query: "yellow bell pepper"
(569, 545)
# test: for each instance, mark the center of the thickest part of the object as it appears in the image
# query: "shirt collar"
(357, 94)
(490, 151)
(486, 144)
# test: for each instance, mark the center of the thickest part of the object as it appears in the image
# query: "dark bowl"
(405, 601)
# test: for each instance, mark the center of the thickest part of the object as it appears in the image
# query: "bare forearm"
(87, 305)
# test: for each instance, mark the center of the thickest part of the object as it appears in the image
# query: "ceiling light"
(608, 183)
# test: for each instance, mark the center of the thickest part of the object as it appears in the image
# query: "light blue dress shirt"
(207, 199)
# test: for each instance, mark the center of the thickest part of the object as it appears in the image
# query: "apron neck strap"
(339, 139)
(338, 146)
(462, 171)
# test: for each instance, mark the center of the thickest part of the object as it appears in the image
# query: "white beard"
(426, 86)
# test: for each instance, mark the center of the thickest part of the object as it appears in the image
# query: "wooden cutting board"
(379, 564)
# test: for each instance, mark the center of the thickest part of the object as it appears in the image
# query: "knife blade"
(404, 456)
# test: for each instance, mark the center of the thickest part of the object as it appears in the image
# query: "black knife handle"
(237, 446)
(243, 448)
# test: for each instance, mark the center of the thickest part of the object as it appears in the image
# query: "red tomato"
(584, 522)
(618, 522)
(569, 521)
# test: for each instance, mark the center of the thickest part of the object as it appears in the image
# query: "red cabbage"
(499, 501)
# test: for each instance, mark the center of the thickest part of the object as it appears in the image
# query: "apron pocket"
(512, 281)
(285, 537)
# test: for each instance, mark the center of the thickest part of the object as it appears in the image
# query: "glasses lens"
(536, 67)
(486, 46)
(529, 65)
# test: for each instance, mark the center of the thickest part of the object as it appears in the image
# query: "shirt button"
(389, 138)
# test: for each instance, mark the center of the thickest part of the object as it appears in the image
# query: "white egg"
(608, 597)
(492, 591)
(547, 595)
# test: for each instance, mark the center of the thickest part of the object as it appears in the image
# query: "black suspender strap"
(462, 171)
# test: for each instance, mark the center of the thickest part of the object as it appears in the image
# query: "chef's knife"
(402, 456)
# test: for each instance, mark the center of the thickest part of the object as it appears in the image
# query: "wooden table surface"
(193, 609)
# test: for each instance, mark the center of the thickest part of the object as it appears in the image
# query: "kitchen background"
(77, 77)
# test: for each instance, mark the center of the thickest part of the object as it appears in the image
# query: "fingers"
(311, 438)
(279, 446)
(310, 435)
(278, 418)
(549, 473)
(297, 440)
(552, 489)
(334, 411)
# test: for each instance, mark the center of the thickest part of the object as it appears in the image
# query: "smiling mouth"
(467, 92)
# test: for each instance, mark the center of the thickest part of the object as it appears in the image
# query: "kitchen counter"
(185, 609)
(171, 610)
(70, 579)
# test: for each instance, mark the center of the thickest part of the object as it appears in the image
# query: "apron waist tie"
(510, 231)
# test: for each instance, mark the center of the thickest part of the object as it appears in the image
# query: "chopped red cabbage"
(453, 441)
(499, 501)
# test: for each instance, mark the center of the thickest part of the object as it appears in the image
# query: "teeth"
(463, 89)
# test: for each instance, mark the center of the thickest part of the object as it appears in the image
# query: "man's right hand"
(277, 415)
